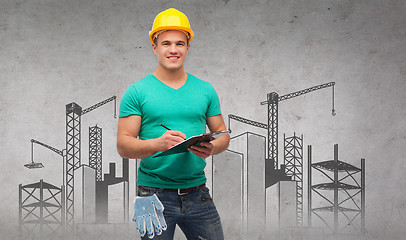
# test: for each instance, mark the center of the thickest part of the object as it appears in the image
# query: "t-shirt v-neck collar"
(171, 88)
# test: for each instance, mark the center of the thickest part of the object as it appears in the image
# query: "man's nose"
(172, 48)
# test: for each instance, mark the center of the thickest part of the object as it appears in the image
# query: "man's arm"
(129, 146)
(215, 124)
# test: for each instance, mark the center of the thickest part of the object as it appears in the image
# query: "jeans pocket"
(205, 194)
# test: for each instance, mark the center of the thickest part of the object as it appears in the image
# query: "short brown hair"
(156, 39)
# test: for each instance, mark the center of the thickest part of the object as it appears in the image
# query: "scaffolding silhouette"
(293, 161)
(95, 151)
(41, 210)
(345, 189)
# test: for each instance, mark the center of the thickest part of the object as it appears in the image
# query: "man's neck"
(174, 79)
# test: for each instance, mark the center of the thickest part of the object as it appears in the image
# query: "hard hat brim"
(163, 28)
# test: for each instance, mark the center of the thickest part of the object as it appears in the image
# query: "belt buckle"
(181, 194)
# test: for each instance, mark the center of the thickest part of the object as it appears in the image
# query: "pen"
(165, 127)
(168, 128)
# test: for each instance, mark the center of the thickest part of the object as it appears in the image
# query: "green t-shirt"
(184, 109)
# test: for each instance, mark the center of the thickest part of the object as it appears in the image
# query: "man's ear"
(154, 48)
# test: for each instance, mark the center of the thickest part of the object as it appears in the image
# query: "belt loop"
(181, 194)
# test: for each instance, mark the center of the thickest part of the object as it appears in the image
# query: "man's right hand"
(129, 146)
(169, 139)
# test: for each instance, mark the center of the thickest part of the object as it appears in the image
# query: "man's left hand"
(204, 151)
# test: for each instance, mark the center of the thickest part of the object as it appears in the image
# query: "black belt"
(181, 191)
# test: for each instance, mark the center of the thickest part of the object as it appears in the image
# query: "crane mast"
(73, 154)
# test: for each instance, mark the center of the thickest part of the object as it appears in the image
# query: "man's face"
(171, 49)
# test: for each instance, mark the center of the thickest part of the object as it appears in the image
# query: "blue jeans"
(194, 212)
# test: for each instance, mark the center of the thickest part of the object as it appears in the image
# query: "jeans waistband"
(179, 191)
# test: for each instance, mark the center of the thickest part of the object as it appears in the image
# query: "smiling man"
(171, 189)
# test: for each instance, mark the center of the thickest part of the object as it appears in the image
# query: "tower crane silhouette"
(272, 101)
(74, 113)
(71, 154)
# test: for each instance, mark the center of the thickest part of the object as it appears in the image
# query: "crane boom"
(304, 91)
(101, 104)
(250, 122)
(47, 146)
(33, 164)
(301, 92)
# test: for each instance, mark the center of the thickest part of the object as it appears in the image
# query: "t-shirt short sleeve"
(129, 104)
(214, 104)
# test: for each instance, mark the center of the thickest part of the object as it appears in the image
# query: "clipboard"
(195, 140)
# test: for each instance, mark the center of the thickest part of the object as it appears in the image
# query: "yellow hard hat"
(171, 19)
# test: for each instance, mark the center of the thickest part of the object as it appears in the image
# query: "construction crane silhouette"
(74, 113)
(71, 154)
(33, 164)
(272, 101)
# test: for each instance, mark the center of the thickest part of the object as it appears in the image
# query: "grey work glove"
(148, 215)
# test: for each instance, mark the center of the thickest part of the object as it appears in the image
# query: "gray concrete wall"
(56, 52)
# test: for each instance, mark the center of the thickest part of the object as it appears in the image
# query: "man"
(179, 101)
